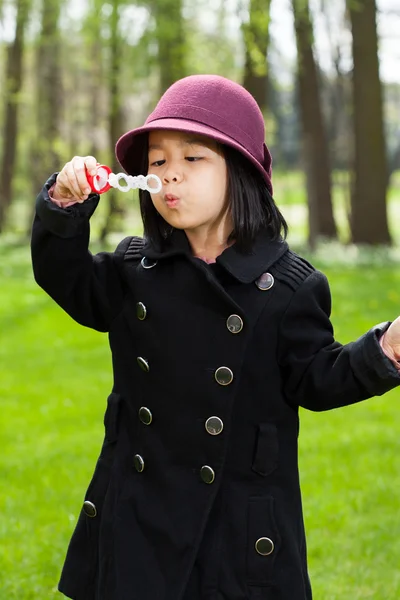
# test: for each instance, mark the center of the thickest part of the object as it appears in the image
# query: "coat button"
(143, 364)
(148, 263)
(145, 415)
(214, 425)
(89, 509)
(265, 281)
(141, 311)
(223, 376)
(207, 474)
(138, 463)
(234, 323)
(264, 546)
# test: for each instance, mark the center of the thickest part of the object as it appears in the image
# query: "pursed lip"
(171, 200)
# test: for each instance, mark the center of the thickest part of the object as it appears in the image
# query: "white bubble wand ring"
(105, 180)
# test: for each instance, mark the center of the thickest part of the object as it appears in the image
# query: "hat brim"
(129, 148)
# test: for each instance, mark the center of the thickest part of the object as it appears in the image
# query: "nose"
(172, 174)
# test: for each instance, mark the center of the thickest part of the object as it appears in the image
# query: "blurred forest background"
(75, 75)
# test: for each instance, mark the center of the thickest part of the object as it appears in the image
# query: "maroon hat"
(207, 105)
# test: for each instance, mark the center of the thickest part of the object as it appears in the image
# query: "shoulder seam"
(292, 269)
(136, 244)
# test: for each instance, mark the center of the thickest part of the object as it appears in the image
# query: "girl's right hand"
(71, 183)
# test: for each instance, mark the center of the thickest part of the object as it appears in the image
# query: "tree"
(95, 49)
(171, 41)
(115, 110)
(315, 146)
(256, 41)
(369, 215)
(49, 95)
(13, 83)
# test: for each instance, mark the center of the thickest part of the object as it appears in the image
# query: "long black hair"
(252, 207)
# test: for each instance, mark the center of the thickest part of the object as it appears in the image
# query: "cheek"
(221, 183)
(157, 202)
(222, 190)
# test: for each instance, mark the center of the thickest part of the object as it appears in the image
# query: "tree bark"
(13, 84)
(170, 33)
(256, 41)
(315, 146)
(369, 223)
(49, 96)
(115, 115)
(96, 54)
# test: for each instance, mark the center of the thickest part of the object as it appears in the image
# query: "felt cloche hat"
(208, 105)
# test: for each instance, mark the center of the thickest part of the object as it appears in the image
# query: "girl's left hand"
(391, 340)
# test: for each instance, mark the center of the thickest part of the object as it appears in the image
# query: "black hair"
(252, 206)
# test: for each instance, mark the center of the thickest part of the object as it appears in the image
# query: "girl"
(218, 333)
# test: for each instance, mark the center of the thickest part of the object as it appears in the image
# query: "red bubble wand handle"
(105, 180)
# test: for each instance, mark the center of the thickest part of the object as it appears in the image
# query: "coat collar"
(244, 267)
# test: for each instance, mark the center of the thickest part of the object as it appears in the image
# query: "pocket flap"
(267, 449)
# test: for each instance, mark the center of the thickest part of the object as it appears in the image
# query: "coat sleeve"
(88, 287)
(320, 373)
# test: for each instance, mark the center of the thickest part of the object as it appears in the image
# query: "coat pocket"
(266, 452)
(263, 541)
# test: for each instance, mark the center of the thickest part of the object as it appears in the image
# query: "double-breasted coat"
(196, 492)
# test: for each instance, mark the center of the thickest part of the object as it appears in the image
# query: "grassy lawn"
(54, 380)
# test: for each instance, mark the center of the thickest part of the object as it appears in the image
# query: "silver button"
(223, 376)
(145, 415)
(89, 509)
(148, 263)
(264, 546)
(265, 282)
(214, 425)
(138, 463)
(234, 323)
(143, 364)
(207, 474)
(141, 311)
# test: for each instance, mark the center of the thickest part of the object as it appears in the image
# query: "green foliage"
(256, 34)
(56, 375)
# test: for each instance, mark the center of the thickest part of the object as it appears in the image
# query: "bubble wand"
(105, 180)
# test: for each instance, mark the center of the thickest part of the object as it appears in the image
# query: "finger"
(91, 165)
(81, 174)
(77, 177)
(71, 182)
(62, 183)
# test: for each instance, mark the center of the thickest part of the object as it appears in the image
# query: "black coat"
(182, 505)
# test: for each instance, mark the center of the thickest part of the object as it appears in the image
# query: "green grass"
(54, 380)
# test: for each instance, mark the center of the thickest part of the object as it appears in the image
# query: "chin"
(177, 222)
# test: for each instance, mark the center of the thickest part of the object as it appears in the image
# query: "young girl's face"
(193, 173)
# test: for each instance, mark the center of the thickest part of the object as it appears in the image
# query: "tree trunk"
(170, 33)
(340, 135)
(96, 54)
(369, 223)
(115, 116)
(256, 40)
(49, 95)
(315, 146)
(13, 83)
